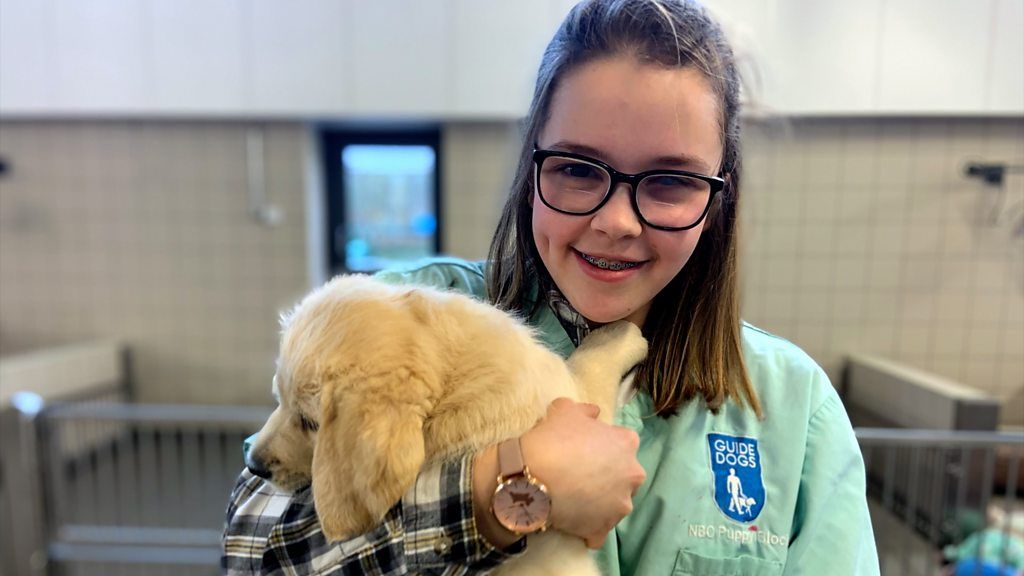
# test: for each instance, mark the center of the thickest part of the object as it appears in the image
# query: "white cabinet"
(343, 59)
(299, 56)
(196, 56)
(26, 55)
(496, 50)
(401, 57)
(827, 63)
(99, 57)
(935, 56)
(1006, 83)
(883, 57)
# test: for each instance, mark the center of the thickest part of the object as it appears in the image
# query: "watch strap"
(510, 458)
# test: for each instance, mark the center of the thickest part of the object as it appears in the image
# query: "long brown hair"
(694, 322)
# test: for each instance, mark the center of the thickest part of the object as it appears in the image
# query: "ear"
(368, 452)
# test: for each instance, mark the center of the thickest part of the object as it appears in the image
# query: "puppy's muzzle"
(257, 467)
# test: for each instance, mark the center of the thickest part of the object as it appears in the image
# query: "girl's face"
(633, 116)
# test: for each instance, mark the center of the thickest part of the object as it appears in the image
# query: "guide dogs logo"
(736, 464)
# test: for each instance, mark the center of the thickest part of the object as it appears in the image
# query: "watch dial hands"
(524, 498)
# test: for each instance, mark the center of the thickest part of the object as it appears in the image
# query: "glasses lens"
(572, 185)
(672, 201)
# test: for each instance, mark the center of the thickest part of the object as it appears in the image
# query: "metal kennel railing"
(131, 488)
(123, 488)
(930, 489)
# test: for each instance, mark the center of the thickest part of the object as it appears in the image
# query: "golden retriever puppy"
(375, 380)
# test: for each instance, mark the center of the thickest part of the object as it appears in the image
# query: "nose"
(257, 467)
(618, 218)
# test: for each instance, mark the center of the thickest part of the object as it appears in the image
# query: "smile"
(606, 264)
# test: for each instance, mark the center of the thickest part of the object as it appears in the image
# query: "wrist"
(485, 482)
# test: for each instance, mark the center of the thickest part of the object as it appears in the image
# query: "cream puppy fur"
(376, 380)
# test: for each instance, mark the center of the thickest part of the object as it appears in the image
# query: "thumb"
(596, 542)
(591, 410)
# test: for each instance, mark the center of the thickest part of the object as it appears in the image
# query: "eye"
(577, 170)
(307, 424)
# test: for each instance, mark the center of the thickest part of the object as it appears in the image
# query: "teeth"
(609, 264)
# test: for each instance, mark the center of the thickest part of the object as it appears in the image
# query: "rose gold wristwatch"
(521, 503)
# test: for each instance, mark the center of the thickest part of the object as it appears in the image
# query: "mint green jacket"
(727, 493)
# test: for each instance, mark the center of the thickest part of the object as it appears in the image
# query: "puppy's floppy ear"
(368, 453)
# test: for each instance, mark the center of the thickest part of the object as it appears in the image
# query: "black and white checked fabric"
(430, 532)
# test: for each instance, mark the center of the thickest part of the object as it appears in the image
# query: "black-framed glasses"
(664, 199)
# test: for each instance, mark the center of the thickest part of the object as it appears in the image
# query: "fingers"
(596, 542)
(561, 404)
(591, 410)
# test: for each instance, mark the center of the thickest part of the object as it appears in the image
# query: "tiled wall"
(860, 235)
(142, 232)
(477, 172)
(864, 236)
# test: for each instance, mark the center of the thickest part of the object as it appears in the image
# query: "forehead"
(634, 112)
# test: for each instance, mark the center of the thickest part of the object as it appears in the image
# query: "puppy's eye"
(307, 424)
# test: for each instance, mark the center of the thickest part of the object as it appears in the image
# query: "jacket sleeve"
(432, 531)
(832, 529)
(441, 273)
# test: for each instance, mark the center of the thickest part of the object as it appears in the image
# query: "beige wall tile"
(920, 270)
(141, 232)
(860, 235)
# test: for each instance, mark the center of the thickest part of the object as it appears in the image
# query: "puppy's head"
(314, 340)
(283, 452)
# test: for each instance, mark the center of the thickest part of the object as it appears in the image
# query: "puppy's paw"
(621, 343)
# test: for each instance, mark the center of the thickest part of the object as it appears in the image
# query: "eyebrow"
(681, 161)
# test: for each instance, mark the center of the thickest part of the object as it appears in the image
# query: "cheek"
(677, 247)
(552, 230)
(542, 226)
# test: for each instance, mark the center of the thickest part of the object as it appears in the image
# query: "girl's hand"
(589, 467)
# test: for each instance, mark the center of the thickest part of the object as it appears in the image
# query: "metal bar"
(106, 483)
(170, 478)
(986, 495)
(1011, 495)
(986, 482)
(935, 438)
(910, 514)
(887, 489)
(189, 467)
(138, 535)
(175, 555)
(961, 488)
(128, 498)
(938, 507)
(148, 476)
(163, 413)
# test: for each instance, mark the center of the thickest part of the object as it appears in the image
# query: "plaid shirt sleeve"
(431, 531)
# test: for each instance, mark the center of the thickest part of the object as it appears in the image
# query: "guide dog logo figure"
(736, 468)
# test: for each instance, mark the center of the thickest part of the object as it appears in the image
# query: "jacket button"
(442, 545)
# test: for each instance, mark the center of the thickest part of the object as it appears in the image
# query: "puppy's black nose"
(257, 467)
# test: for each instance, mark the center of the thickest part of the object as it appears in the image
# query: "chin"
(601, 314)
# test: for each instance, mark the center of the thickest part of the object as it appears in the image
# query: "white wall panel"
(100, 59)
(934, 55)
(26, 54)
(300, 56)
(199, 61)
(825, 56)
(497, 49)
(1006, 82)
(401, 56)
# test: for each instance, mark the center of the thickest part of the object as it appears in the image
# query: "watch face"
(522, 507)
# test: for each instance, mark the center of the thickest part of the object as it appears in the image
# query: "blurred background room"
(174, 174)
